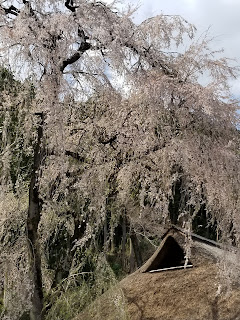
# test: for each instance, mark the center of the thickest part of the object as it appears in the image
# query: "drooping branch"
(145, 53)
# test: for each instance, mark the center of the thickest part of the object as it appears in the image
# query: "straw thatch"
(184, 294)
(187, 294)
(170, 253)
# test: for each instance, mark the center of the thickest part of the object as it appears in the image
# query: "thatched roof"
(187, 294)
(170, 253)
(180, 294)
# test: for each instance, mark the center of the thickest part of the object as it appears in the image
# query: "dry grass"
(110, 306)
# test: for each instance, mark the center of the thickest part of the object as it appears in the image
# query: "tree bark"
(33, 218)
(105, 235)
(124, 240)
(131, 258)
(136, 249)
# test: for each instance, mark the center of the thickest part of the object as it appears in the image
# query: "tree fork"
(33, 218)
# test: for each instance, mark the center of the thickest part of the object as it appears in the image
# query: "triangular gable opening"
(171, 256)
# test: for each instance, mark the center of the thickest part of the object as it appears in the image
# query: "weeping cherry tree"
(121, 123)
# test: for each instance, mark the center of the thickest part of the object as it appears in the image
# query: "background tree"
(109, 155)
(15, 163)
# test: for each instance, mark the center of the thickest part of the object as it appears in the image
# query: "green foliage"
(115, 262)
(1, 304)
(57, 246)
(80, 289)
(66, 304)
(7, 81)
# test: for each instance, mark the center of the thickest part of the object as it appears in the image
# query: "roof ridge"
(194, 236)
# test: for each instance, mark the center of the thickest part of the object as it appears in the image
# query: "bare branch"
(69, 5)
(11, 10)
(76, 56)
(74, 155)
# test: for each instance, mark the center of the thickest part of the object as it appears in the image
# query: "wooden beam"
(172, 268)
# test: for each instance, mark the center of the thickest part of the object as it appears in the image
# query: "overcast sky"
(222, 16)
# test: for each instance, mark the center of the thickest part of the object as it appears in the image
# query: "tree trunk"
(136, 249)
(105, 235)
(124, 239)
(33, 218)
(131, 258)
